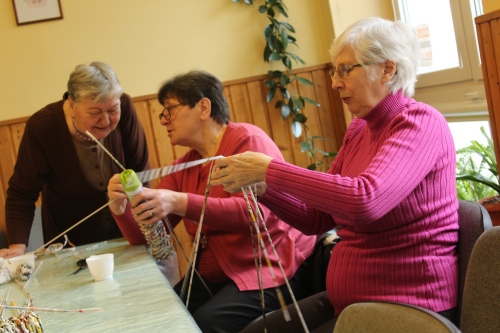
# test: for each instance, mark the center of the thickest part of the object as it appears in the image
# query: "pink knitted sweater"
(391, 192)
(226, 218)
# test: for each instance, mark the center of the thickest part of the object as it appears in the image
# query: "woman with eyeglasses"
(196, 115)
(390, 191)
(58, 160)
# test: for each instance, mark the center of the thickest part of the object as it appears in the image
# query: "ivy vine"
(278, 36)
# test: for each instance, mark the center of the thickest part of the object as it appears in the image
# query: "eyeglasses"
(169, 111)
(343, 70)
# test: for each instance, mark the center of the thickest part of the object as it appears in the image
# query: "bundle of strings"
(158, 240)
(27, 321)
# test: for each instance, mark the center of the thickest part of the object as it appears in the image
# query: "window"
(447, 38)
(450, 75)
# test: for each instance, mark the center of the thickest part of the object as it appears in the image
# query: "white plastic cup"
(101, 266)
(13, 263)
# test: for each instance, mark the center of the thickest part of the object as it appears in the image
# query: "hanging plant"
(278, 36)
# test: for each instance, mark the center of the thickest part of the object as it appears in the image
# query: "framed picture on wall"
(35, 11)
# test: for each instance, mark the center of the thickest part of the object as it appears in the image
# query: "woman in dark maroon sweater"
(70, 170)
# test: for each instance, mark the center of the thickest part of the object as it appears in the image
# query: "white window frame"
(470, 66)
(458, 93)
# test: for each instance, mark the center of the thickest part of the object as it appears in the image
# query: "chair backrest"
(481, 301)
(473, 220)
(391, 318)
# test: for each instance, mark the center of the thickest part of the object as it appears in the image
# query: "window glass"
(464, 132)
(436, 34)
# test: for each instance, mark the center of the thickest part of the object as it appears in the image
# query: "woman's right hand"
(13, 251)
(117, 196)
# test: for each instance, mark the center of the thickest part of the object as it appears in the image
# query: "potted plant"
(477, 176)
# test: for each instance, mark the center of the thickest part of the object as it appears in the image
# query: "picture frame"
(36, 11)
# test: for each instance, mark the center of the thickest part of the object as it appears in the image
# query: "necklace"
(80, 134)
(215, 141)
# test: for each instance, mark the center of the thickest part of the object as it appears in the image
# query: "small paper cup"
(101, 266)
(13, 263)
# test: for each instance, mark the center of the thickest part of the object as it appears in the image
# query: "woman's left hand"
(150, 206)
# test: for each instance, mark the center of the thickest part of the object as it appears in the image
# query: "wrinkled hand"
(150, 206)
(237, 171)
(117, 197)
(13, 251)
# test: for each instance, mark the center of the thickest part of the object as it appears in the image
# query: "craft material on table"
(137, 299)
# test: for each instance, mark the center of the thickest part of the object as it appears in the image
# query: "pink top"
(226, 216)
(391, 192)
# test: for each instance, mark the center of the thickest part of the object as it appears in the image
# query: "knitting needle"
(105, 150)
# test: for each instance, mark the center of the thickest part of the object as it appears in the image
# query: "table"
(138, 299)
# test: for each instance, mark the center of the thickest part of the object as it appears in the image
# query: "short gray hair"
(97, 81)
(374, 40)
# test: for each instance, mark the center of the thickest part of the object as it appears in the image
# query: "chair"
(386, 317)
(481, 299)
(473, 220)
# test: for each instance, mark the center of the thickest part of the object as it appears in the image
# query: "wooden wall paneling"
(145, 117)
(161, 141)
(17, 131)
(488, 31)
(259, 106)
(281, 132)
(313, 115)
(227, 94)
(341, 118)
(240, 103)
(300, 158)
(325, 111)
(7, 162)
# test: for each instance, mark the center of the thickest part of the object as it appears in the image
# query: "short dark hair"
(189, 88)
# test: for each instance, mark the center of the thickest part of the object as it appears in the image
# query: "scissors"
(82, 264)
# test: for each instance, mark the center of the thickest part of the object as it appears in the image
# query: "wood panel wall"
(247, 102)
(488, 33)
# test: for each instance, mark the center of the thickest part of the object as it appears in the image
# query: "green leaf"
(296, 129)
(270, 95)
(300, 117)
(298, 103)
(312, 166)
(296, 58)
(310, 101)
(285, 111)
(477, 177)
(303, 81)
(304, 146)
(284, 80)
(267, 53)
(287, 62)
(288, 26)
(262, 9)
(274, 56)
(284, 38)
(248, 2)
(270, 11)
(271, 84)
(274, 74)
(278, 104)
(282, 10)
(285, 93)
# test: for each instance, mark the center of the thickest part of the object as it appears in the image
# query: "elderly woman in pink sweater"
(390, 191)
